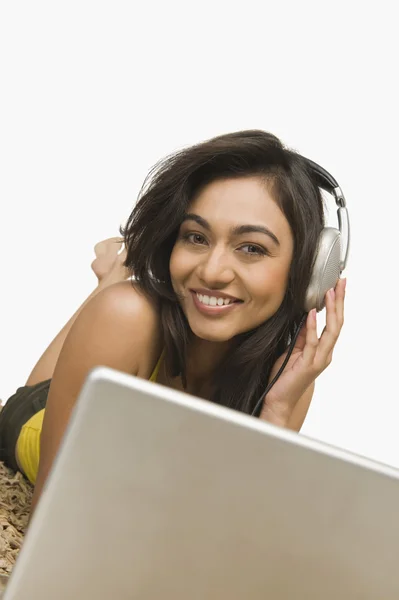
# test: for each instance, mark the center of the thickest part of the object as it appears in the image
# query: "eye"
(253, 250)
(195, 238)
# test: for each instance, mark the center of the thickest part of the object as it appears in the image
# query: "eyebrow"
(238, 230)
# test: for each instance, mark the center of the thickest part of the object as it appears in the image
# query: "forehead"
(244, 200)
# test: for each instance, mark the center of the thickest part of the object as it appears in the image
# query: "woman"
(222, 243)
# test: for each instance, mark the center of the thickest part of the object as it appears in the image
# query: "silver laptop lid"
(156, 494)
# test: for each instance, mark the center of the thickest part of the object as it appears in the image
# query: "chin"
(215, 338)
(211, 333)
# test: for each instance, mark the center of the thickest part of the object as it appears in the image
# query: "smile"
(213, 300)
(213, 305)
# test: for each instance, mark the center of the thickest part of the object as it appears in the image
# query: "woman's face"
(232, 257)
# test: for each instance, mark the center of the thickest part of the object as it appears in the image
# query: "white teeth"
(213, 300)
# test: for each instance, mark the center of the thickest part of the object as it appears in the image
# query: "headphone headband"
(328, 183)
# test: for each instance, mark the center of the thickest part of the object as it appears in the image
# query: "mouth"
(215, 304)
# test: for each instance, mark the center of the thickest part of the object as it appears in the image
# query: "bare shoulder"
(121, 324)
(126, 302)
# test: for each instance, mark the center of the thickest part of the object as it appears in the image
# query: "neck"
(203, 357)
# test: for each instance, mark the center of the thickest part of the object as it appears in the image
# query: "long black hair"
(151, 230)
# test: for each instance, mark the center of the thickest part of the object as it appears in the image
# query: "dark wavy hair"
(151, 230)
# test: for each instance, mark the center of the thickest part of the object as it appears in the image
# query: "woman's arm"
(119, 328)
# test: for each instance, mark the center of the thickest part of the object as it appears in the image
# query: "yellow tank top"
(28, 444)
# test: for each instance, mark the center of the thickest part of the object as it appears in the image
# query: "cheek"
(270, 285)
(179, 266)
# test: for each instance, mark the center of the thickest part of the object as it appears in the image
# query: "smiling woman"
(222, 244)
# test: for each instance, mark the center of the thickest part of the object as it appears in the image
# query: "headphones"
(333, 246)
(330, 260)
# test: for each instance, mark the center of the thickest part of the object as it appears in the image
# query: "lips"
(214, 294)
(214, 300)
(214, 305)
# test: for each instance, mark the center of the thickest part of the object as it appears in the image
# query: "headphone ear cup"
(326, 269)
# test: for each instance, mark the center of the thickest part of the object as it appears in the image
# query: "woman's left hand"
(309, 358)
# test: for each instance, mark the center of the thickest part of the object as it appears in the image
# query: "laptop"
(158, 495)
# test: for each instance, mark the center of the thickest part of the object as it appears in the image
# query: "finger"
(332, 329)
(312, 341)
(340, 300)
(331, 311)
(301, 339)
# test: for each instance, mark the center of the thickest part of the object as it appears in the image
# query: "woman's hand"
(293, 390)
(108, 266)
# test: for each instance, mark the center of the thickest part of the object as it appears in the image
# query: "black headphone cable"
(291, 347)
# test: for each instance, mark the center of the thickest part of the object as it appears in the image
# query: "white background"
(93, 93)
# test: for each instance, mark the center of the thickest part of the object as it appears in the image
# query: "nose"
(215, 269)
